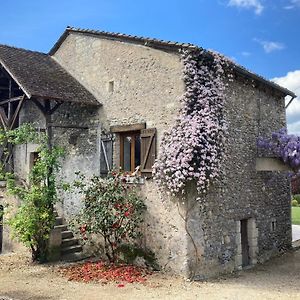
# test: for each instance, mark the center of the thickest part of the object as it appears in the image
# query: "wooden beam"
(3, 118)
(16, 113)
(11, 100)
(40, 106)
(69, 126)
(124, 128)
(55, 107)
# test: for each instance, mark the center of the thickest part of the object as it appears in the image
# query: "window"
(34, 156)
(136, 147)
(111, 85)
(273, 225)
(130, 151)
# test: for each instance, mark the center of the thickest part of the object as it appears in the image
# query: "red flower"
(126, 213)
(116, 225)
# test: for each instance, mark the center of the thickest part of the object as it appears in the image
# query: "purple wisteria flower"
(284, 146)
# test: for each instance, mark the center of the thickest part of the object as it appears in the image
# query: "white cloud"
(291, 81)
(270, 46)
(245, 53)
(248, 4)
(293, 4)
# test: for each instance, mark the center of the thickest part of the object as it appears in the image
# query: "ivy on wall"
(192, 150)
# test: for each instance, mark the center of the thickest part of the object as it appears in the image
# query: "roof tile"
(39, 75)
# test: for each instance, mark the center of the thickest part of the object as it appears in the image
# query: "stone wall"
(244, 193)
(76, 129)
(147, 86)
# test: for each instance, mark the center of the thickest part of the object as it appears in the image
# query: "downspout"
(293, 97)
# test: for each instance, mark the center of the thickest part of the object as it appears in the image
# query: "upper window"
(136, 147)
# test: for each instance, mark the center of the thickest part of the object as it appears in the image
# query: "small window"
(34, 156)
(273, 225)
(130, 151)
(111, 85)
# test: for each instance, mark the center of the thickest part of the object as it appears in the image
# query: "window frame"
(133, 135)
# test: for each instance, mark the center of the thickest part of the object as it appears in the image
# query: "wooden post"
(10, 95)
(48, 118)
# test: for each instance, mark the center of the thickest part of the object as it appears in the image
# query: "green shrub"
(297, 197)
(294, 202)
(34, 219)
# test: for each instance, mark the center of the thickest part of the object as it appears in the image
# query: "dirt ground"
(277, 279)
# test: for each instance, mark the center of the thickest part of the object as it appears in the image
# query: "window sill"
(134, 179)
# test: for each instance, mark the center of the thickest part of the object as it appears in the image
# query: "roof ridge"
(23, 49)
(135, 37)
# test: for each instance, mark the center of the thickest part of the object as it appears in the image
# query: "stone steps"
(67, 234)
(69, 242)
(70, 248)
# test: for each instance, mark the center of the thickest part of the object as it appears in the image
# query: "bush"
(34, 219)
(294, 203)
(112, 209)
(297, 197)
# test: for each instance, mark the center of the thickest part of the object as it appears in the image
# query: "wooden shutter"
(148, 150)
(106, 154)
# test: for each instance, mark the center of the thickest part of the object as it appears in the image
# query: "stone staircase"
(68, 247)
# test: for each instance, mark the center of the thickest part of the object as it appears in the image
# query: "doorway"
(245, 243)
(1, 228)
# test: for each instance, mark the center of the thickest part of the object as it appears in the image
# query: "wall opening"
(34, 156)
(111, 86)
(1, 228)
(246, 242)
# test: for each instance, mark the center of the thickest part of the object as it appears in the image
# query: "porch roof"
(40, 76)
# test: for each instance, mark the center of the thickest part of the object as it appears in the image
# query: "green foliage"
(294, 203)
(34, 219)
(112, 209)
(296, 197)
(21, 135)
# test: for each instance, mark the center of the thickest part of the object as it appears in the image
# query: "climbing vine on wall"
(284, 146)
(194, 147)
(34, 218)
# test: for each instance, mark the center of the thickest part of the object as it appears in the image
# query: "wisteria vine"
(192, 150)
(284, 146)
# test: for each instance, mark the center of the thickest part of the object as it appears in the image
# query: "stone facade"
(140, 84)
(261, 197)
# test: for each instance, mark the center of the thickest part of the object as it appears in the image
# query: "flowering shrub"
(111, 209)
(284, 146)
(193, 148)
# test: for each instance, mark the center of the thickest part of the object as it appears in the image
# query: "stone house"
(108, 98)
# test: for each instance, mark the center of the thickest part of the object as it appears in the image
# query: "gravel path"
(277, 279)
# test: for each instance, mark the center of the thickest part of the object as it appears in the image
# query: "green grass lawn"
(296, 215)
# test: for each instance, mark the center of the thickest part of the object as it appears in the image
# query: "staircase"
(70, 248)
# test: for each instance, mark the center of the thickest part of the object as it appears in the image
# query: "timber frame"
(12, 99)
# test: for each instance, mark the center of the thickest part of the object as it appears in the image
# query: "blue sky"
(262, 35)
